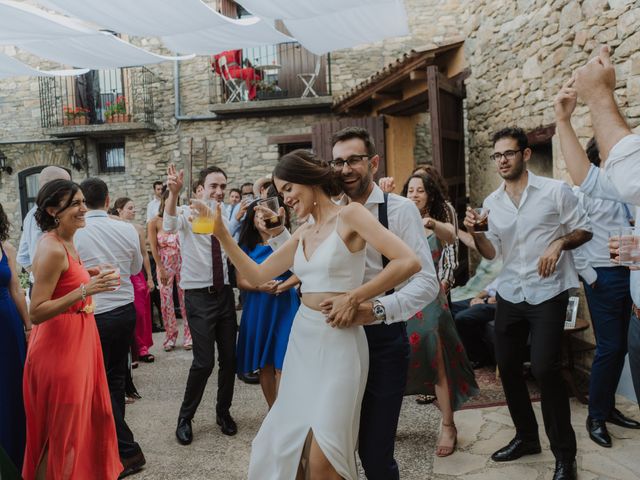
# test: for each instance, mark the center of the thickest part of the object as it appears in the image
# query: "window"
(28, 186)
(111, 156)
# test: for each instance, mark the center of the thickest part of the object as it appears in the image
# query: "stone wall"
(520, 53)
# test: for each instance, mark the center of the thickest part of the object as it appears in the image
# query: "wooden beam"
(296, 138)
(408, 104)
(418, 75)
(387, 96)
(433, 78)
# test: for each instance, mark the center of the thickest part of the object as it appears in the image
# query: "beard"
(356, 189)
(515, 173)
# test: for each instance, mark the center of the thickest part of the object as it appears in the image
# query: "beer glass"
(629, 246)
(482, 219)
(271, 207)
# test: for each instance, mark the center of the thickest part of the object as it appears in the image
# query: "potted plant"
(75, 115)
(116, 112)
(269, 91)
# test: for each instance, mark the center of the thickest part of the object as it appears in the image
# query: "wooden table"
(570, 346)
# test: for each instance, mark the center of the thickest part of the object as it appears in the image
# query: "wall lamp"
(3, 164)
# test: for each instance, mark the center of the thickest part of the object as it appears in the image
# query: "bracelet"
(83, 292)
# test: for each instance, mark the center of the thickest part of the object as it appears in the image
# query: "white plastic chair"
(234, 85)
(309, 80)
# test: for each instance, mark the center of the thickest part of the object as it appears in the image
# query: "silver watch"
(379, 313)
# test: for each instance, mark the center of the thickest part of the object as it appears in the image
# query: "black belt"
(210, 289)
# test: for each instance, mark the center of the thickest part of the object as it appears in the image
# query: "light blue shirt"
(619, 180)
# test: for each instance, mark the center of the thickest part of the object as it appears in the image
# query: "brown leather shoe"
(132, 465)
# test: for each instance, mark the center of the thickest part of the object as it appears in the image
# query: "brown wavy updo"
(58, 194)
(304, 168)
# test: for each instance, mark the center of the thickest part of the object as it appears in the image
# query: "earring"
(315, 204)
(56, 220)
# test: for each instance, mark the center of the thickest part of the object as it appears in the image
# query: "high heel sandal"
(444, 450)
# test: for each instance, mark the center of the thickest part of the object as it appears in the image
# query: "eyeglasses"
(352, 161)
(509, 155)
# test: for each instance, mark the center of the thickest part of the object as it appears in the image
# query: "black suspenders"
(384, 220)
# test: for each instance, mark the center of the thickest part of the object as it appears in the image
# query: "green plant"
(74, 112)
(119, 107)
(23, 278)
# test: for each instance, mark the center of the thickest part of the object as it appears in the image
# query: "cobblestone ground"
(214, 456)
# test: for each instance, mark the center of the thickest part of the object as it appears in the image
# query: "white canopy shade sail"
(10, 67)
(335, 24)
(101, 50)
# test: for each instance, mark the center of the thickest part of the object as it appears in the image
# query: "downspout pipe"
(176, 89)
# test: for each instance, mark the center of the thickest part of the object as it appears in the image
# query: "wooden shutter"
(321, 134)
(228, 8)
(447, 137)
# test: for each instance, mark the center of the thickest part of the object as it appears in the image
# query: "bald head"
(52, 173)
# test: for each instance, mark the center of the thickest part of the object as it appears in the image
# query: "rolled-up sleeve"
(169, 222)
(423, 287)
(572, 214)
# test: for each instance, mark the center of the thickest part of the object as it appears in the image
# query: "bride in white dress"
(325, 367)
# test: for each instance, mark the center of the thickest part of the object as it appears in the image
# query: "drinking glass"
(114, 278)
(270, 208)
(203, 223)
(629, 246)
(482, 219)
(614, 236)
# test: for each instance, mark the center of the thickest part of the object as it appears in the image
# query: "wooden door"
(321, 134)
(447, 137)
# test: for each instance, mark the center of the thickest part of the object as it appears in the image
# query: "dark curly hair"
(249, 235)
(304, 168)
(58, 194)
(436, 207)
(512, 132)
(593, 152)
(117, 205)
(4, 225)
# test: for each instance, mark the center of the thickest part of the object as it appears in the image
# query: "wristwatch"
(379, 313)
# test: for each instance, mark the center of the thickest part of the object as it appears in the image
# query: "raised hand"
(597, 78)
(387, 184)
(175, 179)
(565, 102)
(261, 213)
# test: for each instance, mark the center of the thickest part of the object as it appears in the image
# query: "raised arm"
(256, 274)
(595, 83)
(574, 155)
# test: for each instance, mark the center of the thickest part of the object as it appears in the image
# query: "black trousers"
(154, 296)
(388, 366)
(545, 323)
(212, 321)
(116, 329)
(471, 321)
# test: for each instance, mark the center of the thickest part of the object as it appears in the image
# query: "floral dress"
(432, 326)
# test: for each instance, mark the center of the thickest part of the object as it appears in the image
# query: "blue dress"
(13, 350)
(266, 322)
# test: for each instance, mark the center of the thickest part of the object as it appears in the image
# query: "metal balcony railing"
(282, 71)
(97, 97)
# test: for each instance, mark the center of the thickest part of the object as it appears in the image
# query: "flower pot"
(80, 120)
(119, 118)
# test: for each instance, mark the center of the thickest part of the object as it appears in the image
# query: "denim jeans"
(634, 353)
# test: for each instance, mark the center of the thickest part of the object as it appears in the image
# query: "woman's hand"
(105, 281)
(150, 284)
(429, 223)
(270, 287)
(93, 271)
(387, 184)
(340, 310)
(163, 275)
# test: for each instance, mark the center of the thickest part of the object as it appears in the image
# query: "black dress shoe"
(565, 470)
(132, 465)
(516, 449)
(617, 418)
(598, 432)
(227, 423)
(184, 433)
(250, 378)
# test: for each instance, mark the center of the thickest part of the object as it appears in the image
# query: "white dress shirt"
(197, 265)
(31, 233)
(606, 216)
(106, 240)
(548, 210)
(619, 180)
(152, 209)
(422, 288)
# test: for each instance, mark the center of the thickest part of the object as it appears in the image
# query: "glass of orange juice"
(203, 223)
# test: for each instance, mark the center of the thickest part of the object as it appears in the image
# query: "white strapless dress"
(323, 376)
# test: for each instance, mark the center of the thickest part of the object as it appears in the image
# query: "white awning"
(335, 24)
(10, 67)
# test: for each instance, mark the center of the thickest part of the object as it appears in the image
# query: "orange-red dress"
(66, 396)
